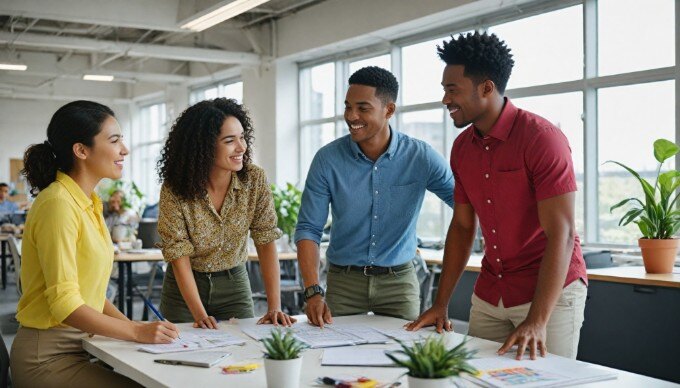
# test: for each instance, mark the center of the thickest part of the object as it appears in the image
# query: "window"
(229, 90)
(147, 141)
(318, 92)
(380, 61)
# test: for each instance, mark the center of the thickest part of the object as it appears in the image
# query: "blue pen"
(155, 312)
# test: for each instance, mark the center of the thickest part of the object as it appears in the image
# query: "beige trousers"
(495, 323)
(55, 358)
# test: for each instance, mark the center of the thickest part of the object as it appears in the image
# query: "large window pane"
(630, 119)
(635, 35)
(233, 90)
(564, 111)
(383, 61)
(428, 126)
(317, 90)
(313, 138)
(547, 48)
(421, 72)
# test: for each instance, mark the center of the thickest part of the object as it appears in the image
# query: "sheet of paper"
(407, 336)
(194, 339)
(357, 356)
(364, 333)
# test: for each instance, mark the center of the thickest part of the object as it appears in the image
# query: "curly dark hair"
(189, 152)
(484, 57)
(384, 82)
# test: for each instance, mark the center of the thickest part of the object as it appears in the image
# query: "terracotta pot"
(658, 255)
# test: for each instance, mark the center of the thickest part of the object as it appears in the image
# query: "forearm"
(308, 259)
(88, 320)
(113, 312)
(271, 274)
(456, 255)
(551, 277)
(187, 286)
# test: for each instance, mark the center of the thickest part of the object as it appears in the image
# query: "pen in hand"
(157, 313)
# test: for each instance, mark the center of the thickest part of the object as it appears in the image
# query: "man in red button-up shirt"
(514, 172)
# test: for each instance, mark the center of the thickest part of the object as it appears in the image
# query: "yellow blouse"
(218, 241)
(66, 255)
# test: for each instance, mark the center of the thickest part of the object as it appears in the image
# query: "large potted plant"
(656, 216)
(287, 201)
(430, 364)
(282, 362)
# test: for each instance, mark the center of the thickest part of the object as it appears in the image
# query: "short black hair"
(384, 82)
(3, 184)
(484, 57)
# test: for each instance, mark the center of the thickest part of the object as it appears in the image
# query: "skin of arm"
(317, 311)
(187, 287)
(271, 275)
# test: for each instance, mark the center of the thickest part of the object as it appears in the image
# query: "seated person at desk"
(116, 214)
(514, 171)
(67, 256)
(7, 207)
(212, 195)
(375, 180)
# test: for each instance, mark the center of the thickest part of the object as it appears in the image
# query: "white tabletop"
(127, 360)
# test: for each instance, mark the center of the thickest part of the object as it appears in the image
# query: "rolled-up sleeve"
(172, 227)
(315, 200)
(56, 234)
(263, 228)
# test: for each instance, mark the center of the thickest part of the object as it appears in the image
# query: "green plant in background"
(282, 347)
(657, 219)
(430, 359)
(287, 201)
(132, 198)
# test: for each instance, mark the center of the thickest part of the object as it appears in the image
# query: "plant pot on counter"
(417, 382)
(658, 255)
(283, 373)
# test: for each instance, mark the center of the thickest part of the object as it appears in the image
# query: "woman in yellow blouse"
(212, 196)
(67, 256)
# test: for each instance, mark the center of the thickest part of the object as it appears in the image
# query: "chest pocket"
(512, 188)
(402, 200)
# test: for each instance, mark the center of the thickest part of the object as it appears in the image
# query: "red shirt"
(524, 159)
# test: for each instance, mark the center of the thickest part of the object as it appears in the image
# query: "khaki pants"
(395, 294)
(224, 297)
(55, 358)
(495, 323)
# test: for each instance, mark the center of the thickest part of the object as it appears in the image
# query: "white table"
(125, 359)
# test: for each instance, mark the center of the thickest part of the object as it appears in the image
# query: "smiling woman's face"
(231, 145)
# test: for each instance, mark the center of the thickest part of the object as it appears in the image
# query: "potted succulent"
(287, 201)
(282, 362)
(430, 364)
(657, 216)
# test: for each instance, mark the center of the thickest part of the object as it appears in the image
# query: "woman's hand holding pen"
(159, 332)
(277, 317)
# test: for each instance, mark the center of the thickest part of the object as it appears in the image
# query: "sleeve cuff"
(555, 191)
(174, 251)
(304, 235)
(63, 300)
(265, 237)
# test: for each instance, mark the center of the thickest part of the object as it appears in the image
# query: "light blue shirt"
(7, 208)
(375, 205)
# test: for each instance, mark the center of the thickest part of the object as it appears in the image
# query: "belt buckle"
(366, 268)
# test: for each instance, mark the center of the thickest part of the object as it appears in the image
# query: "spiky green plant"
(430, 359)
(656, 219)
(282, 347)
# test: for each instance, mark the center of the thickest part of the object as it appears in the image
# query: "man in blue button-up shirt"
(7, 207)
(374, 180)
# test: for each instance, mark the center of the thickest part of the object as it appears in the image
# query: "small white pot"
(283, 373)
(417, 382)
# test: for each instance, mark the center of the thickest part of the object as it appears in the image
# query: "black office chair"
(4, 365)
(147, 231)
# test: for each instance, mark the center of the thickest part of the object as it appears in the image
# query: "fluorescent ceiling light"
(98, 77)
(13, 66)
(219, 13)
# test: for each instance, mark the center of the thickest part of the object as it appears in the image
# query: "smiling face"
(105, 158)
(466, 101)
(366, 115)
(231, 145)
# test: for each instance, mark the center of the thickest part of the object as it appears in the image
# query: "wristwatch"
(312, 290)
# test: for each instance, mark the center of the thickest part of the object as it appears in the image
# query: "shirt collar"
(76, 192)
(501, 129)
(236, 183)
(391, 148)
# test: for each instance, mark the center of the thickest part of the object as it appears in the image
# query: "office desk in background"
(139, 366)
(125, 260)
(632, 318)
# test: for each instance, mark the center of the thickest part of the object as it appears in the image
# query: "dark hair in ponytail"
(75, 122)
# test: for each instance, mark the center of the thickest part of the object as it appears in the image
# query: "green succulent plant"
(282, 347)
(430, 359)
(656, 219)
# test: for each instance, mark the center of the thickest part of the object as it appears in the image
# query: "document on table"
(551, 371)
(407, 336)
(194, 339)
(330, 336)
(355, 357)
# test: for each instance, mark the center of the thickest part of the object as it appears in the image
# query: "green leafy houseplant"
(287, 201)
(282, 347)
(657, 216)
(430, 359)
(133, 198)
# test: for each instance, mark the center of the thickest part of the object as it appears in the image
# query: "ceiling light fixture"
(98, 77)
(13, 66)
(219, 13)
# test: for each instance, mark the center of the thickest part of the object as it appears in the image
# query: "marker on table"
(155, 312)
